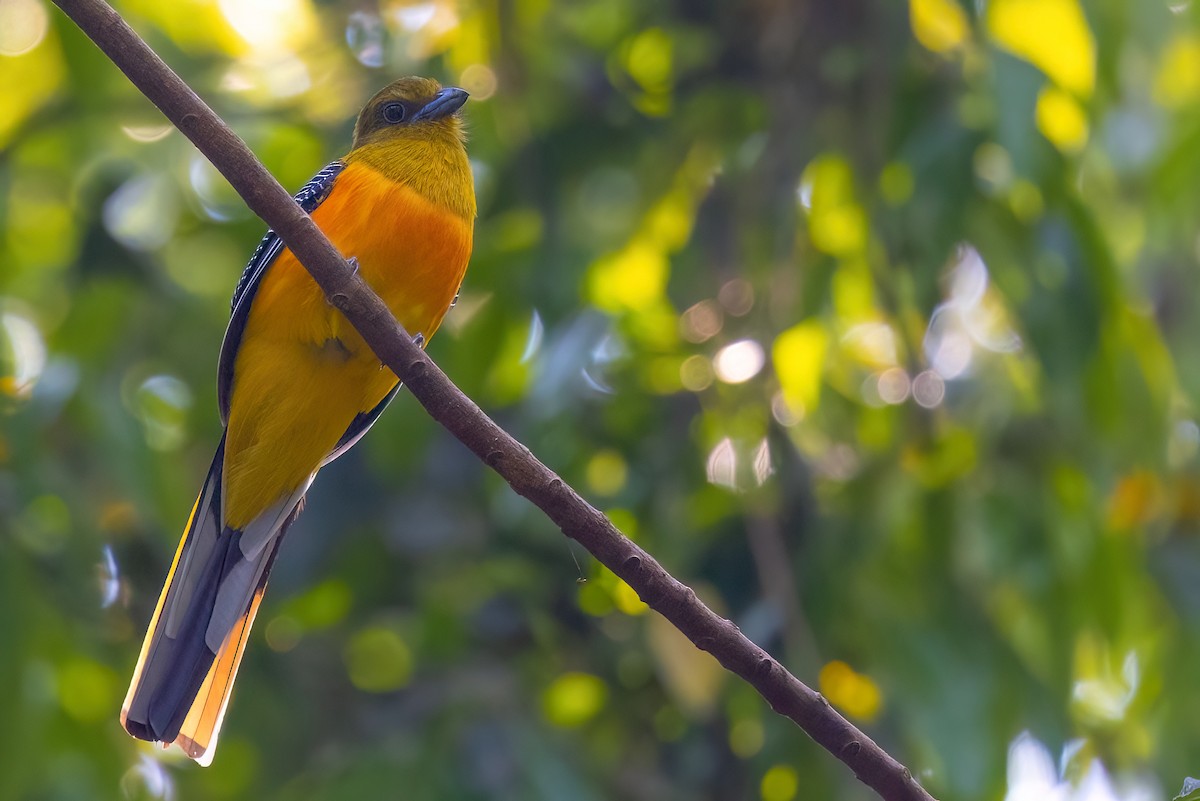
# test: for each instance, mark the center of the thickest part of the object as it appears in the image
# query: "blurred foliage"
(874, 321)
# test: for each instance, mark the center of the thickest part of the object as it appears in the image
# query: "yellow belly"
(302, 372)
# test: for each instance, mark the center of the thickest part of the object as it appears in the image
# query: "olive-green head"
(410, 108)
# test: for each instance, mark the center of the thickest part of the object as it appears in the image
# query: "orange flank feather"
(298, 386)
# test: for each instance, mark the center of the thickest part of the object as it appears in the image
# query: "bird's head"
(410, 108)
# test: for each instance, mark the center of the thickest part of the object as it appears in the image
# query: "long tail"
(194, 644)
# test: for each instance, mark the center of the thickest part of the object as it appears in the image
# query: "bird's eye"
(393, 113)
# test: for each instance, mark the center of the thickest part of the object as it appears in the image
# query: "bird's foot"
(419, 341)
(352, 263)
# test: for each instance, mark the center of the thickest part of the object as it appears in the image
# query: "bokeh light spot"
(161, 404)
(1025, 200)
(763, 467)
(44, 525)
(415, 16)
(607, 472)
(108, 577)
(480, 80)
(23, 25)
(142, 213)
(1177, 82)
(739, 361)
(283, 633)
(147, 133)
(29, 79)
(378, 660)
(721, 464)
(736, 296)
(746, 737)
(573, 699)
(696, 373)
(780, 783)
(1183, 443)
(218, 199)
(852, 692)
(533, 343)
(993, 165)
(87, 690)
(22, 354)
(928, 389)
(148, 777)
(701, 322)
(365, 38)
(785, 413)
(893, 385)
(872, 344)
(270, 26)
(896, 183)
(322, 606)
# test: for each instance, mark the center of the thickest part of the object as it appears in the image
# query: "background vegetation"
(874, 321)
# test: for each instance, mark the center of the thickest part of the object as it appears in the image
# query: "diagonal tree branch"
(449, 406)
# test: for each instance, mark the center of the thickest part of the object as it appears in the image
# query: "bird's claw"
(419, 341)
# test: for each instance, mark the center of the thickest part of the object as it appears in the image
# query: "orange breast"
(302, 372)
(411, 252)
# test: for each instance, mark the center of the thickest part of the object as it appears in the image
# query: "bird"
(297, 387)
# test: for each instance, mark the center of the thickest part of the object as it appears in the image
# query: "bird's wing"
(359, 426)
(308, 198)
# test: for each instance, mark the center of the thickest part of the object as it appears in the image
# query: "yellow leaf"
(1136, 500)
(1053, 35)
(1061, 120)
(939, 25)
(27, 82)
(853, 290)
(573, 699)
(473, 42)
(693, 677)
(606, 472)
(852, 692)
(837, 224)
(627, 600)
(780, 783)
(1177, 82)
(649, 58)
(631, 279)
(196, 26)
(799, 356)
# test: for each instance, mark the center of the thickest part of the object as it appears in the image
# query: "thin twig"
(454, 410)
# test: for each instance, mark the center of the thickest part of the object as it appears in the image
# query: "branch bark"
(449, 406)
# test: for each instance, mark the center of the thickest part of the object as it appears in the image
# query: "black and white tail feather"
(195, 640)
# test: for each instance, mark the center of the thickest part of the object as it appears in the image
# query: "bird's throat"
(435, 166)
